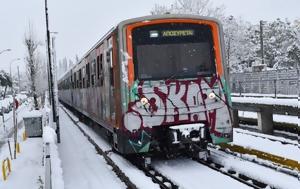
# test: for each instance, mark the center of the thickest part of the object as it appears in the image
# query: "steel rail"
(122, 176)
(156, 177)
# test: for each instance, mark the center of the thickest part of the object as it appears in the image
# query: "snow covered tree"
(32, 62)
(197, 7)
(279, 37)
(5, 81)
(239, 50)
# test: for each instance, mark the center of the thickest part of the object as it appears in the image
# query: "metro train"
(157, 84)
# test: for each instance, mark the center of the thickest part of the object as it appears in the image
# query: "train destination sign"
(177, 33)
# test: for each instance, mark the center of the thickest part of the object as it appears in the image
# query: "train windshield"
(173, 50)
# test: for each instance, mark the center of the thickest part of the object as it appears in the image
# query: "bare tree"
(32, 62)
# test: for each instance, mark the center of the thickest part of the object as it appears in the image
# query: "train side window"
(88, 75)
(110, 62)
(98, 67)
(80, 79)
(93, 71)
(100, 73)
(74, 81)
(83, 77)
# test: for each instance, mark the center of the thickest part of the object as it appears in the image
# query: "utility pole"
(51, 76)
(261, 41)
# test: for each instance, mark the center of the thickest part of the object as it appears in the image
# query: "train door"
(110, 108)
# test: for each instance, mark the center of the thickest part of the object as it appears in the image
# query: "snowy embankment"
(82, 166)
(50, 140)
(260, 173)
(267, 101)
(290, 151)
(137, 176)
(49, 136)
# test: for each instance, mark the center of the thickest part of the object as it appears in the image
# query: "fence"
(284, 82)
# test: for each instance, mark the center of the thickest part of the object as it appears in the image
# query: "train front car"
(174, 96)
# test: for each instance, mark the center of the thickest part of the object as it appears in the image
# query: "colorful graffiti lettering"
(174, 102)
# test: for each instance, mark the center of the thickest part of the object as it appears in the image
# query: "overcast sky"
(81, 23)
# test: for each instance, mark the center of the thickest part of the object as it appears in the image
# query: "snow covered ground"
(266, 100)
(134, 174)
(276, 117)
(269, 176)
(273, 147)
(82, 166)
(189, 174)
(27, 170)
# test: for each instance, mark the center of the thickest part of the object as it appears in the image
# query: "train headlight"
(144, 101)
(211, 95)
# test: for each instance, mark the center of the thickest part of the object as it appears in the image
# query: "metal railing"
(266, 86)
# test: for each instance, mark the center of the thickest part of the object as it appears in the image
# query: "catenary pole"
(261, 41)
(51, 75)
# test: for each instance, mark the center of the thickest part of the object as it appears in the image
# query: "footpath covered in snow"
(82, 166)
(26, 170)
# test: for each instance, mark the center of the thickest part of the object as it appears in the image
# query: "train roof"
(140, 19)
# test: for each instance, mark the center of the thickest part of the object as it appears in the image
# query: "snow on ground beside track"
(27, 168)
(189, 174)
(266, 100)
(276, 117)
(274, 147)
(134, 174)
(82, 166)
(266, 175)
(49, 138)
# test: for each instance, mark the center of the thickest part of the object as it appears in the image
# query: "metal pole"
(261, 41)
(51, 74)
(55, 88)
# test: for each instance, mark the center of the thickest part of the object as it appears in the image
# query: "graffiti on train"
(174, 102)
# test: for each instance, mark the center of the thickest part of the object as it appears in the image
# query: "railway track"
(159, 178)
(281, 164)
(233, 174)
(271, 138)
(156, 177)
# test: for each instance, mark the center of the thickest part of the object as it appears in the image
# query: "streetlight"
(4, 50)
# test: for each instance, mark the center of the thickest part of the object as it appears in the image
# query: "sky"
(81, 23)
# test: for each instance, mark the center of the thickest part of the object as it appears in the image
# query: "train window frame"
(138, 40)
(93, 73)
(98, 67)
(100, 74)
(80, 78)
(88, 75)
